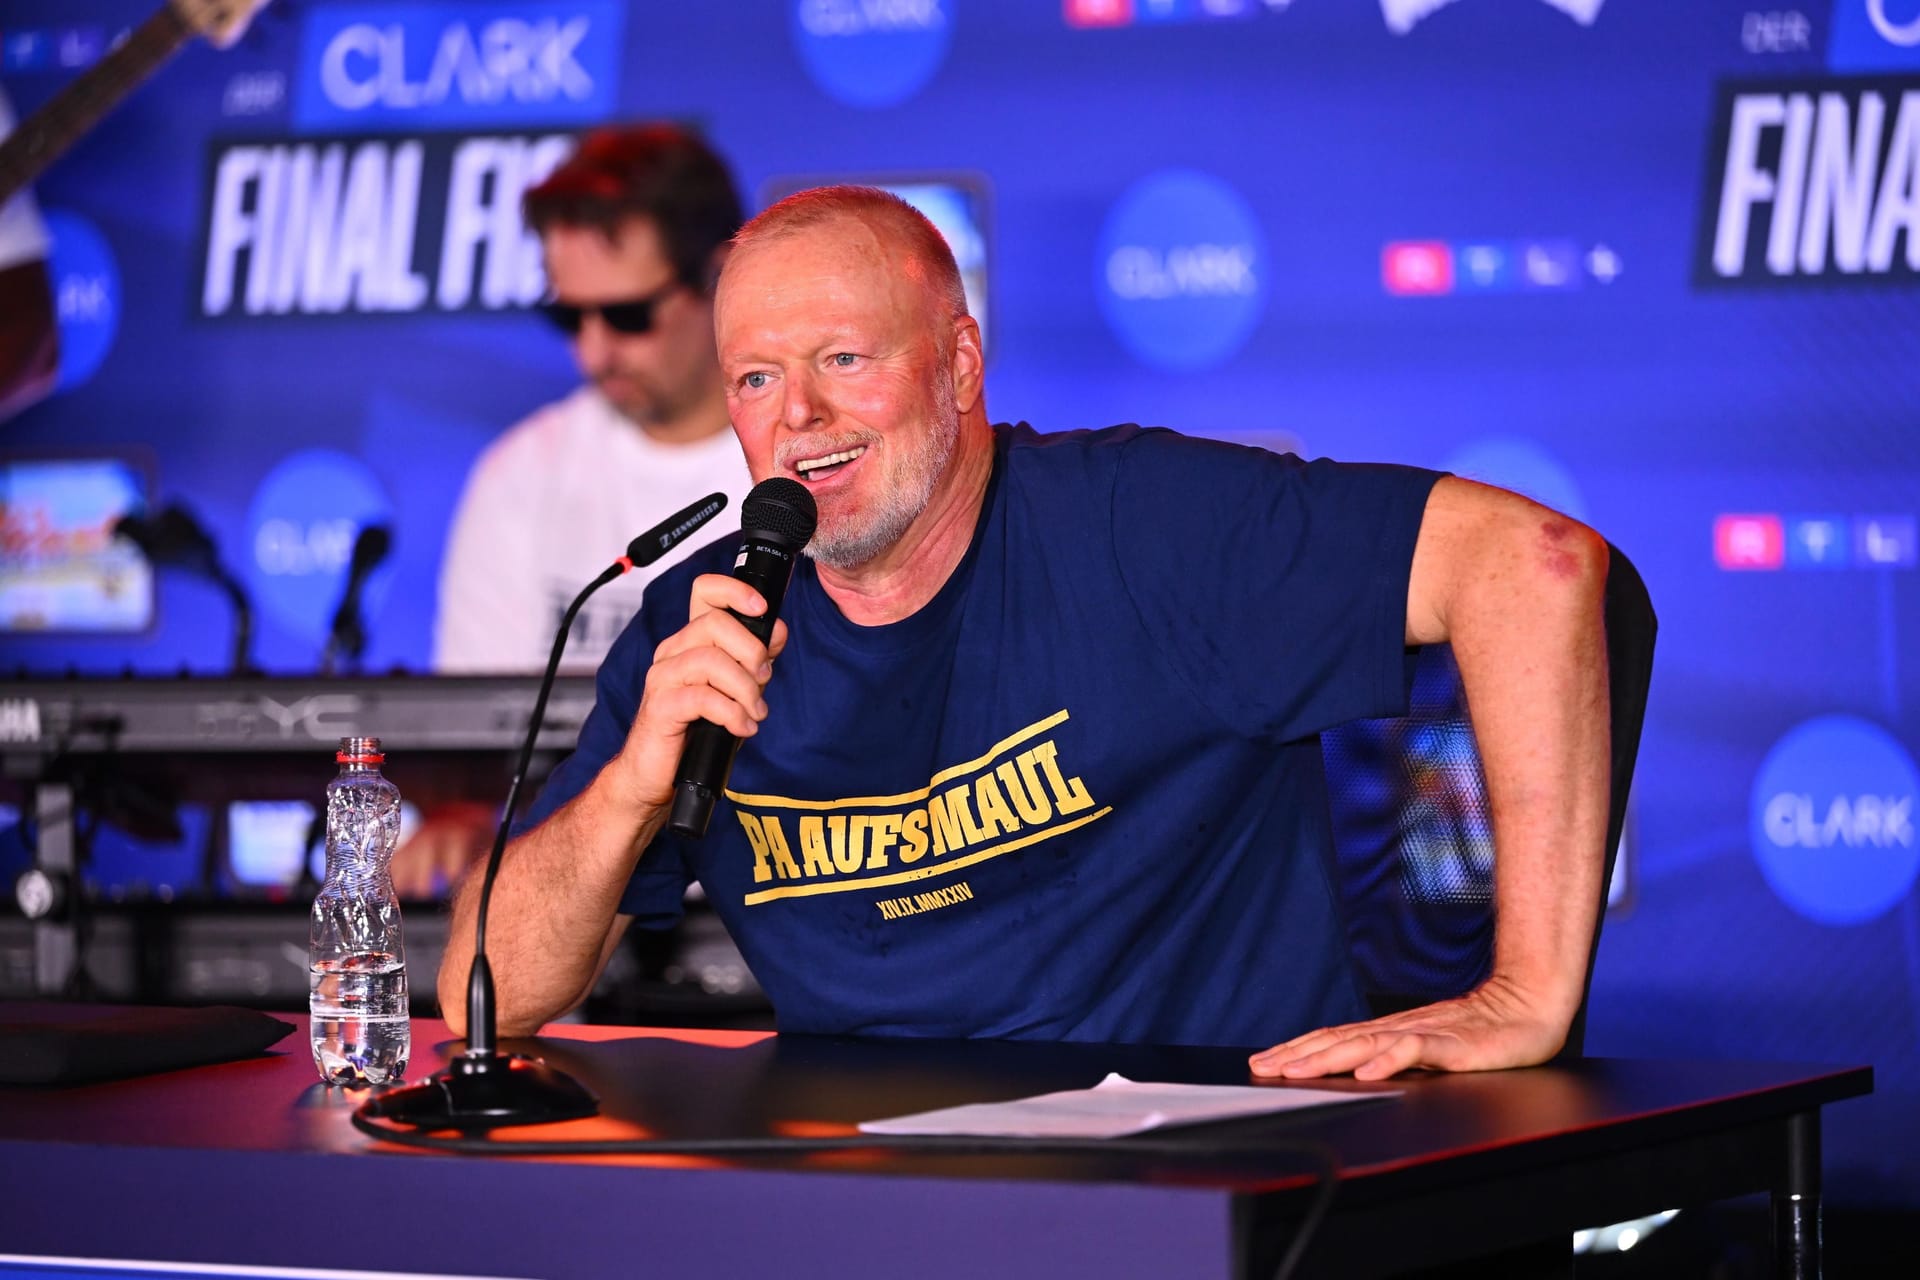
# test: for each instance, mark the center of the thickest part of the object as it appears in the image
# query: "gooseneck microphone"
(484, 1088)
(347, 637)
(776, 521)
(173, 539)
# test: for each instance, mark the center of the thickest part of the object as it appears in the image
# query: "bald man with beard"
(1032, 752)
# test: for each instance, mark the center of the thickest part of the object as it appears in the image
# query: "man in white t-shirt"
(633, 228)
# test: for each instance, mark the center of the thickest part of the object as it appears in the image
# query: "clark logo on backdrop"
(872, 53)
(1181, 270)
(1833, 820)
(301, 528)
(395, 67)
(1813, 181)
(371, 225)
(1874, 35)
(86, 289)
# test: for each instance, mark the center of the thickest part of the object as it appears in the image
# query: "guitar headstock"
(222, 22)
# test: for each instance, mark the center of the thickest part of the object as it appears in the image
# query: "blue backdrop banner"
(1655, 264)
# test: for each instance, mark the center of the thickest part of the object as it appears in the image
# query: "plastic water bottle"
(357, 965)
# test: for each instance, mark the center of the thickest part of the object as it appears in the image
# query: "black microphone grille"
(372, 546)
(780, 508)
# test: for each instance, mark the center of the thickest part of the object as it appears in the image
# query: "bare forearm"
(1528, 634)
(553, 917)
(553, 906)
(1518, 590)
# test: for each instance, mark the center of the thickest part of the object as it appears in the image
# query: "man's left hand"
(1492, 1027)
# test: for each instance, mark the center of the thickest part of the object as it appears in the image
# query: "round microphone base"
(486, 1091)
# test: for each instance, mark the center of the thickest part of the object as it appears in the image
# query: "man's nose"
(802, 407)
(593, 344)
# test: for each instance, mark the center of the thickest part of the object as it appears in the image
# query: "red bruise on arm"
(1560, 562)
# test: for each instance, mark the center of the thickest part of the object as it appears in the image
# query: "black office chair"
(1412, 831)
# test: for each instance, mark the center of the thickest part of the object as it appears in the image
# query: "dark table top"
(687, 1084)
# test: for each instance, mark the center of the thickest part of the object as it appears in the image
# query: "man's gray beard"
(846, 546)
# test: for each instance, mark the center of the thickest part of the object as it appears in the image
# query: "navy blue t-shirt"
(1078, 796)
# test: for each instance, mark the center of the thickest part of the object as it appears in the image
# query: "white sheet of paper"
(1113, 1108)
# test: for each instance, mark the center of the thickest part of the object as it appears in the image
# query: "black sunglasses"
(633, 316)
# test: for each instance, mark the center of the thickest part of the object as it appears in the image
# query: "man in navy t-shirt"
(1032, 752)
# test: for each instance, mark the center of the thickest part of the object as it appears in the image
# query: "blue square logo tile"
(1891, 542)
(1818, 542)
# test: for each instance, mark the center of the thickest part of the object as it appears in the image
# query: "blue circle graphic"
(1898, 23)
(301, 529)
(872, 55)
(1833, 820)
(86, 293)
(1524, 467)
(1181, 273)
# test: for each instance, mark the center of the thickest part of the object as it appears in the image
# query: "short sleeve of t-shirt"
(1276, 589)
(653, 896)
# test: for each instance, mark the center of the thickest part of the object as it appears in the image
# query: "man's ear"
(968, 362)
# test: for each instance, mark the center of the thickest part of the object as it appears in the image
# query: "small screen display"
(61, 568)
(270, 841)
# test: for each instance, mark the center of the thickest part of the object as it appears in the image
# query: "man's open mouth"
(827, 463)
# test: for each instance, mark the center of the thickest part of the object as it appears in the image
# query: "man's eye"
(844, 360)
(754, 380)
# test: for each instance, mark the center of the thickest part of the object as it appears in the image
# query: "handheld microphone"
(776, 521)
(348, 635)
(484, 1088)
